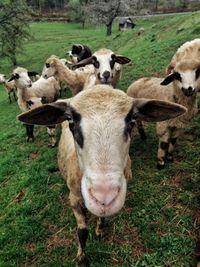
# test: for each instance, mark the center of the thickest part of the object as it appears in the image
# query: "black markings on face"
(177, 76)
(95, 62)
(29, 103)
(47, 65)
(197, 73)
(112, 62)
(75, 128)
(129, 123)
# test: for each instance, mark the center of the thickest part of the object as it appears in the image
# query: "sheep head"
(186, 76)
(104, 62)
(21, 78)
(50, 67)
(101, 120)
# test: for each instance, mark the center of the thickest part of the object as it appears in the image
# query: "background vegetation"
(157, 226)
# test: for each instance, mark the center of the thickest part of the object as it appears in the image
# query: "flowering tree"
(14, 28)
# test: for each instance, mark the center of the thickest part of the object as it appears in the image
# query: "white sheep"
(181, 87)
(107, 67)
(93, 153)
(31, 95)
(74, 79)
(9, 86)
(104, 68)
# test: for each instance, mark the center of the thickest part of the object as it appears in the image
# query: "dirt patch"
(18, 197)
(33, 155)
(30, 247)
(56, 241)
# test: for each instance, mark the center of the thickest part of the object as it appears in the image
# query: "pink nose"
(104, 194)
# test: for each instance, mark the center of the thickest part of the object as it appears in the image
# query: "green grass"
(156, 227)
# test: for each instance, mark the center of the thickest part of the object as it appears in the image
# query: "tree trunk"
(109, 28)
(14, 60)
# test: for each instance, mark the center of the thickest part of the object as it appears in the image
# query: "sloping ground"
(157, 226)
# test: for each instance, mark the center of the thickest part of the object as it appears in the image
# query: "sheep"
(181, 86)
(105, 68)
(93, 152)
(9, 86)
(74, 79)
(81, 52)
(31, 95)
(140, 31)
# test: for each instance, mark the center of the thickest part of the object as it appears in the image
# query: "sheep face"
(2, 78)
(101, 120)
(49, 70)
(186, 76)
(104, 67)
(21, 78)
(104, 62)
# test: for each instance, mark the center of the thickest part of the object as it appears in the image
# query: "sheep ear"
(156, 110)
(170, 78)
(32, 73)
(84, 62)
(49, 114)
(169, 68)
(14, 77)
(122, 59)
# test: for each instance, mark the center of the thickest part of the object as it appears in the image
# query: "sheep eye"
(177, 76)
(16, 76)
(95, 62)
(47, 65)
(113, 60)
(197, 73)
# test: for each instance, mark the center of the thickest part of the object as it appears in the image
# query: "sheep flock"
(99, 122)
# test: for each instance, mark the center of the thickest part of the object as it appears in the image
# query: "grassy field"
(156, 228)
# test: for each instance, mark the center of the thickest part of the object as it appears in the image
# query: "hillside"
(157, 227)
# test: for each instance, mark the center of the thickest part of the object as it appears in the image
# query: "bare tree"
(105, 11)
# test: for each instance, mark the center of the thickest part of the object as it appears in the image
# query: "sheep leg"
(100, 227)
(174, 135)
(140, 129)
(51, 130)
(9, 97)
(162, 149)
(14, 94)
(29, 132)
(80, 214)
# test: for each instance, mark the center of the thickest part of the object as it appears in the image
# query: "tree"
(78, 11)
(106, 11)
(14, 28)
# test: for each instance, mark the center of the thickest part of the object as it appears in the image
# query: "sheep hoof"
(30, 139)
(170, 157)
(83, 263)
(160, 166)
(99, 236)
(51, 145)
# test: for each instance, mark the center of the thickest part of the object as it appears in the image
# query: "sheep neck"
(67, 75)
(22, 95)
